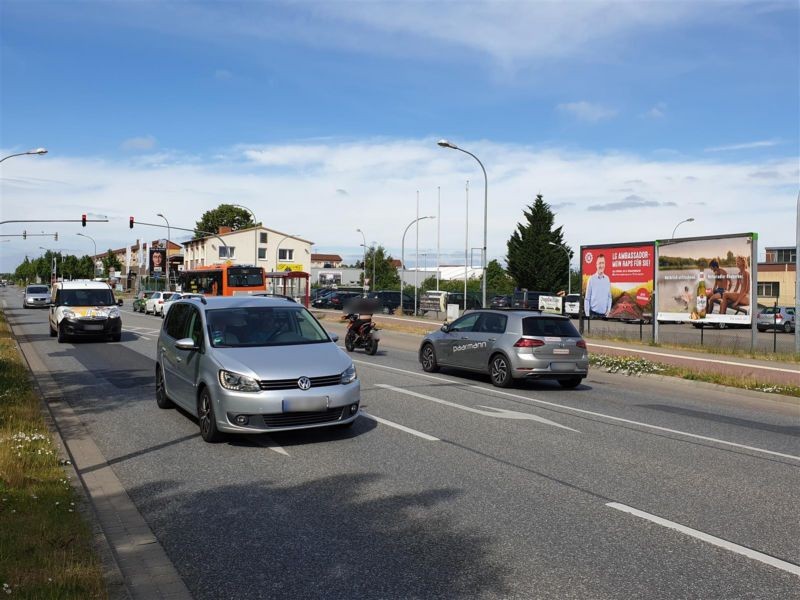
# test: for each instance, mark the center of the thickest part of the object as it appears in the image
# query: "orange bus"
(223, 280)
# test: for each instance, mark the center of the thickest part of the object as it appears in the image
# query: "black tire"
(722, 326)
(762, 329)
(62, 334)
(350, 341)
(206, 418)
(371, 346)
(162, 400)
(500, 371)
(116, 337)
(53, 332)
(787, 327)
(571, 383)
(428, 359)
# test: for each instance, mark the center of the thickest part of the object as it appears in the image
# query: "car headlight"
(68, 314)
(349, 375)
(113, 313)
(237, 382)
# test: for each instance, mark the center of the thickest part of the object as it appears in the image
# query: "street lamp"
(93, 242)
(169, 236)
(36, 151)
(364, 264)
(403, 260)
(569, 267)
(255, 229)
(689, 220)
(447, 144)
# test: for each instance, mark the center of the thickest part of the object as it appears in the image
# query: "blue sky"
(627, 116)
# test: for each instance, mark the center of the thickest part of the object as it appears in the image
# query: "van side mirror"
(119, 302)
(334, 337)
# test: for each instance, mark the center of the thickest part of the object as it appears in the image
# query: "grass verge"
(634, 366)
(45, 545)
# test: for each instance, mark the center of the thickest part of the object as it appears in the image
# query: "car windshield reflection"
(263, 326)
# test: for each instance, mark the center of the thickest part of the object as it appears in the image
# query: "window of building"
(227, 252)
(262, 252)
(262, 238)
(787, 255)
(285, 254)
(768, 289)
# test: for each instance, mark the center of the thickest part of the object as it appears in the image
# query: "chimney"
(223, 229)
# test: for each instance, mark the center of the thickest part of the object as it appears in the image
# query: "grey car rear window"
(547, 326)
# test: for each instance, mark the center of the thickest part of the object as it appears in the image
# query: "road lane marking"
(271, 445)
(583, 411)
(705, 537)
(498, 413)
(697, 358)
(424, 436)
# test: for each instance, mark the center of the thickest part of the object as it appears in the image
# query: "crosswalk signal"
(130, 223)
(24, 234)
(83, 220)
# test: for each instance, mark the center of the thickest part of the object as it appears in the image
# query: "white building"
(267, 248)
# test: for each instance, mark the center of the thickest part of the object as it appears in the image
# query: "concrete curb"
(135, 564)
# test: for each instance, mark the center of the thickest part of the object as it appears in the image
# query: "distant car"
(473, 300)
(174, 298)
(780, 318)
(500, 302)
(390, 301)
(36, 296)
(572, 305)
(155, 303)
(335, 300)
(509, 345)
(141, 300)
(253, 365)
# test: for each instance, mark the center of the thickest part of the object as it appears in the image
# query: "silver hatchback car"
(36, 296)
(252, 365)
(509, 345)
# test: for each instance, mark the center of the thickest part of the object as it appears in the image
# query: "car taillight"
(581, 344)
(528, 343)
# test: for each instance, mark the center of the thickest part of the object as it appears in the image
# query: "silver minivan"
(246, 364)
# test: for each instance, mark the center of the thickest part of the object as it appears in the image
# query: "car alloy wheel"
(161, 391)
(429, 363)
(500, 371)
(787, 327)
(205, 415)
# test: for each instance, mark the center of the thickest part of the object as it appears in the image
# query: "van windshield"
(85, 298)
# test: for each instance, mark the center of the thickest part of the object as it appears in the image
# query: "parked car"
(36, 296)
(140, 300)
(174, 298)
(509, 345)
(253, 365)
(335, 300)
(155, 303)
(473, 300)
(528, 299)
(390, 301)
(500, 302)
(780, 318)
(572, 305)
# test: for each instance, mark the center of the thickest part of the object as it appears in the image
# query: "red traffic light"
(83, 220)
(130, 223)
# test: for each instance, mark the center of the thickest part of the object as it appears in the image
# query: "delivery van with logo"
(84, 308)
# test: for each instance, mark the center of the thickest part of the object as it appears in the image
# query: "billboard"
(158, 262)
(617, 280)
(706, 280)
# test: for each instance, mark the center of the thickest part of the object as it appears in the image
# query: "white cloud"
(145, 142)
(658, 111)
(587, 111)
(744, 146)
(294, 188)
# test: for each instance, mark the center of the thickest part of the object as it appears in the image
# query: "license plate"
(93, 327)
(562, 366)
(305, 404)
(561, 351)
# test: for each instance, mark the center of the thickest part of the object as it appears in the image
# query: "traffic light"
(130, 223)
(24, 234)
(55, 236)
(83, 220)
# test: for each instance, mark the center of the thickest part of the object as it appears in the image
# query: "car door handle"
(492, 340)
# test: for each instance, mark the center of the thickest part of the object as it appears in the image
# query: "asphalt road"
(531, 492)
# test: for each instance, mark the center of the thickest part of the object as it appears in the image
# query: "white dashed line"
(705, 537)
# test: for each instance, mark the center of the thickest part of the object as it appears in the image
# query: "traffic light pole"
(55, 221)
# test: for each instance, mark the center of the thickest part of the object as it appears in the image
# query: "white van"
(84, 308)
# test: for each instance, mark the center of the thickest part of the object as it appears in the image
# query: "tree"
(532, 261)
(225, 215)
(497, 280)
(386, 276)
(110, 262)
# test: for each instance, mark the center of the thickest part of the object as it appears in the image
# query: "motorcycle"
(361, 333)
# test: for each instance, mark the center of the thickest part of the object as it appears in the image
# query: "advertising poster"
(706, 280)
(617, 281)
(158, 262)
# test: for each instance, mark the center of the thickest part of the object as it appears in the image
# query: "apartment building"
(777, 277)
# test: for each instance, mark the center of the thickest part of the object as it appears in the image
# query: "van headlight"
(68, 314)
(349, 375)
(113, 313)
(238, 383)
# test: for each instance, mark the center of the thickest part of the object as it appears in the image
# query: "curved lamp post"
(364, 264)
(255, 229)
(447, 144)
(36, 151)
(689, 220)
(569, 267)
(403, 258)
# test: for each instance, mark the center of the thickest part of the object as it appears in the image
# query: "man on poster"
(597, 303)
